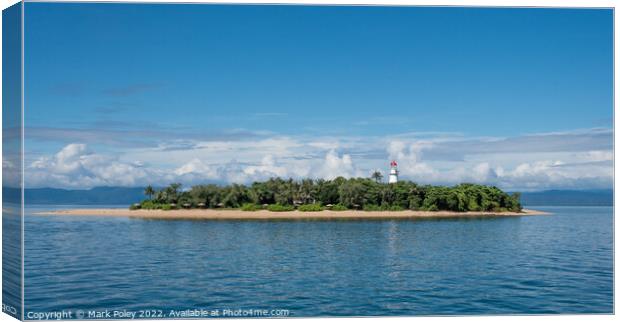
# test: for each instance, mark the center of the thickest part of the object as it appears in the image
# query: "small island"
(352, 198)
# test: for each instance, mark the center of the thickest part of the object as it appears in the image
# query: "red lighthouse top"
(393, 163)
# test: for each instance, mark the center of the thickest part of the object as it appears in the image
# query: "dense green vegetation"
(368, 194)
(311, 207)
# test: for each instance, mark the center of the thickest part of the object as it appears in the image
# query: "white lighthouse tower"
(393, 172)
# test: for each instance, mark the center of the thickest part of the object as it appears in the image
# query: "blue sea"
(559, 263)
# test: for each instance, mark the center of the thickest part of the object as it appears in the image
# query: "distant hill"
(568, 198)
(99, 195)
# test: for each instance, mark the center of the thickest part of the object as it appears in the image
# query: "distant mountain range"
(126, 196)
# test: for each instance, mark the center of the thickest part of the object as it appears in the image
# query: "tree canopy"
(354, 193)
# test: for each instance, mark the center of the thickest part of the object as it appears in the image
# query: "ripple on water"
(538, 264)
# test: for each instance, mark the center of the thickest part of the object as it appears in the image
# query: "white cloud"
(483, 172)
(334, 166)
(195, 166)
(574, 170)
(593, 156)
(409, 157)
(75, 166)
(559, 160)
(267, 168)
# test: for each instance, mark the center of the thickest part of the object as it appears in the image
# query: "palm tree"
(377, 176)
(149, 191)
(175, 187)
(172, 192)
(307, 191)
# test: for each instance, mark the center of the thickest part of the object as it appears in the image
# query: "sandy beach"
(213, 214)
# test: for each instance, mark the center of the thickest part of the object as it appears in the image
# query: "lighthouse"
(393, 172)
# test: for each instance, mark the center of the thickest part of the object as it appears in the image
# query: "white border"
(470, 3)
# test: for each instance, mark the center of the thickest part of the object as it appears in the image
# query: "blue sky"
(206, 93)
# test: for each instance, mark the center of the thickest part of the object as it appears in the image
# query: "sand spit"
(213, 214)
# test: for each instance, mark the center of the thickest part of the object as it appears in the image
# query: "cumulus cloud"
(574, 170)
(194, 167)
(76, 166)
(483, 172)
(409, 157)
(335, 166)
(580, 159)
(267, 168)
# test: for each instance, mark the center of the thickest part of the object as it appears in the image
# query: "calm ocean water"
(518, 265)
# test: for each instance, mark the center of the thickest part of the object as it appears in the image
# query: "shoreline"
(214, 214)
